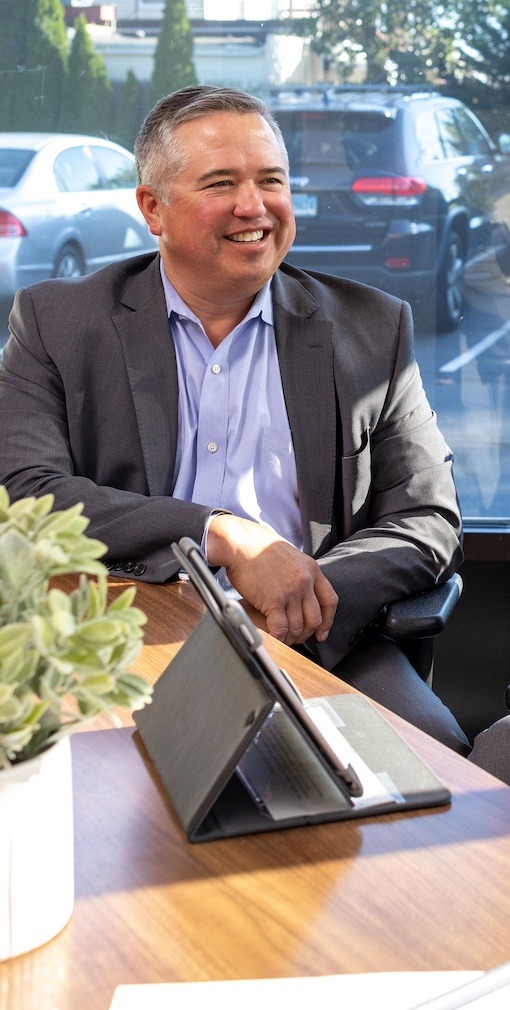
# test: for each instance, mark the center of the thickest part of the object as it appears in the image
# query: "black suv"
(394, 187)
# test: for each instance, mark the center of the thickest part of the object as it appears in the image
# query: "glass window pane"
(13, 163)
(451, 136)
(75, 172)
(476, 140)
(117, 170)
(429, 140)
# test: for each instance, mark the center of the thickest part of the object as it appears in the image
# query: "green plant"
(63, 656)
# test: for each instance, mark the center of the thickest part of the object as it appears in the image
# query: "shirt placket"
(212, 430)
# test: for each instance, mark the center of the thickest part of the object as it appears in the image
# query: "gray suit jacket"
(88, 412)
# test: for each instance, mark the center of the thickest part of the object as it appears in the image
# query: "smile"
(246, 236)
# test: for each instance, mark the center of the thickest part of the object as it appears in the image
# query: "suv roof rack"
(327, 94)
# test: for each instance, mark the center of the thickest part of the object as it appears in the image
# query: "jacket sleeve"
(400, 513)
(43, 383)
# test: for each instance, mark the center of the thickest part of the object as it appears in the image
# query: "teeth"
(247, 236)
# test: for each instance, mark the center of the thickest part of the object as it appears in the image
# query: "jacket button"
(118, 566)
(129, 566)
(139, 569)
(354, 639)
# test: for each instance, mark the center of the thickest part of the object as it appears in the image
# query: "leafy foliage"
(63, 657)
(413, 43)
(484, 26)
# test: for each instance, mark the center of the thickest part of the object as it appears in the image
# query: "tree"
(88, 102)
(33, 61)
(130, 111)
(485, 30)
(399, 42)
(173, 58)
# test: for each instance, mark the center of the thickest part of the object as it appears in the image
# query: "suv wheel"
(450, 283)
(69, 263)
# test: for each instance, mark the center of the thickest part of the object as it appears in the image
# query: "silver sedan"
(67, 207)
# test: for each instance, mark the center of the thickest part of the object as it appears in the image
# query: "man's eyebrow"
(216, 173)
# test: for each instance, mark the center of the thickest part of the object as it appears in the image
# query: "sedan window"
(75, 171)
(117, 170)
(13, 163)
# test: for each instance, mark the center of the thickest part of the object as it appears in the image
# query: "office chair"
(414, 621)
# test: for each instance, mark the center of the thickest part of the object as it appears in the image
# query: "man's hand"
(282, 583)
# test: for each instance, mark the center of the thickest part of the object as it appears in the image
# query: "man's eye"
(220, 183)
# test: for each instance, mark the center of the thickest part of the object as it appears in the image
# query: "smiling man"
(274, 415)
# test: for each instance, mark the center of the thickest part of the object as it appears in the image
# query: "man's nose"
(249, 201)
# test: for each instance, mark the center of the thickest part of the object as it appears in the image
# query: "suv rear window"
(354, 140)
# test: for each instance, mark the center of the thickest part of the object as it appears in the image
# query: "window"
(13, 163)
(451, 136)
(117, 170)
(429, 140)
(75, 172)
(405, 190)
(475, 141)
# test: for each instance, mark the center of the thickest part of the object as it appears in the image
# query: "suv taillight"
(389, 190)
(10, 226)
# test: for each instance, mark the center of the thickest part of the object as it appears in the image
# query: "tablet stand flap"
(206, 708)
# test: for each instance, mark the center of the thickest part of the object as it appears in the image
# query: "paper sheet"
(375, 991)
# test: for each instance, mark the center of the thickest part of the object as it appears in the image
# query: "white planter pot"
(36, 850)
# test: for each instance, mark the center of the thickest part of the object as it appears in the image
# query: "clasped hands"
(281, 582)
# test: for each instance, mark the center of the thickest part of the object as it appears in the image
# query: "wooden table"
(414, 891)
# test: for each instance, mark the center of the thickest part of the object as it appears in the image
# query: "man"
(275, 416)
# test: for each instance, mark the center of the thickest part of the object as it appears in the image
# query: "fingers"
(281, 582)
(305, 614)
(328, 602)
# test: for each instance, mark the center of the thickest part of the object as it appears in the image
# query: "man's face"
(229, 221)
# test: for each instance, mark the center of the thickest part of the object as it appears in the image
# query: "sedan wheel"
(69, 263)
(450, 284)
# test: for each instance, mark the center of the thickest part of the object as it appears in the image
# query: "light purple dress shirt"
(234, 447)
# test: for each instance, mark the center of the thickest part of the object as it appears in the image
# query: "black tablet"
(248, 643)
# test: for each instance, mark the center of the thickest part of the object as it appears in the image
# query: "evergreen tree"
(88, 102)
(33, 61)
(173, 58)
(130, 111)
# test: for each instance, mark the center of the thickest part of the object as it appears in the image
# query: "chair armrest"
(421, 615)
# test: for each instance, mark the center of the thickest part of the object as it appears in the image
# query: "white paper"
(375, 790)
(373, 991)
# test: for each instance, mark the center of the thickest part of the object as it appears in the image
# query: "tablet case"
(208, 709)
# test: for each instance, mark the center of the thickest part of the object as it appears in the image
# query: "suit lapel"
(305, 352)
(151, 367)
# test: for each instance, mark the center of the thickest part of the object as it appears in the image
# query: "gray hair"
(159, 153)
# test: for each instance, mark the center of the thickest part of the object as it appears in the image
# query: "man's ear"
(150, 207)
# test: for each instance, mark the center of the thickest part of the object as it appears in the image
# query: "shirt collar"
(262, 304)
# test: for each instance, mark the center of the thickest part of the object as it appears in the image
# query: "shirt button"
(216, 369)
(212, 447)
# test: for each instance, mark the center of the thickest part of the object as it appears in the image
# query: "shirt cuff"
(203, 544)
